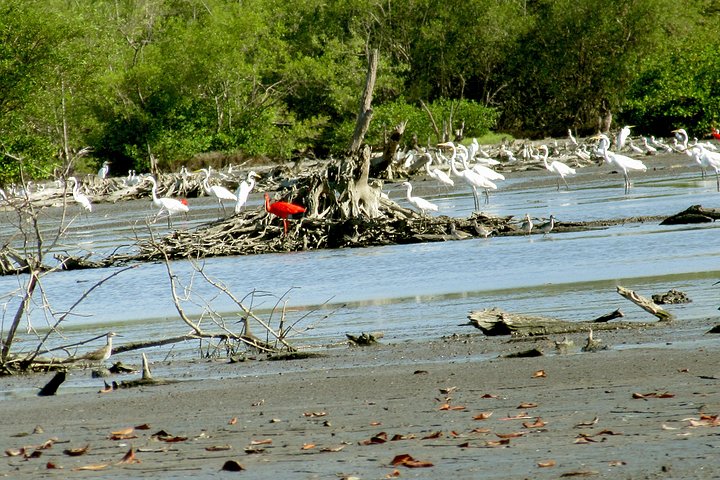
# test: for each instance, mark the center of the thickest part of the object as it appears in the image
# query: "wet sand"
(455, 403)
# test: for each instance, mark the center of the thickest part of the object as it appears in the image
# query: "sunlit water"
(407, 291)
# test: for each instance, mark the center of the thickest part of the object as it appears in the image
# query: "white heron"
(80, 197)
(217, 191)
(166, 204)
(104, 170)
(244, 190)
(474, 180)
(650, 149)
(436, 173)
(557, 167)
(418, 202)
(634, 147)
(573, 140)
(708, 159)
(621, 161)
(622, 137)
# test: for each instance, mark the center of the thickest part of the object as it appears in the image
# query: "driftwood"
(495, 321)
(693, 214)
(644, 303)
(609, 316)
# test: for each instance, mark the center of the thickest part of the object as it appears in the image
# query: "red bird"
(716, 134)
(282, 209)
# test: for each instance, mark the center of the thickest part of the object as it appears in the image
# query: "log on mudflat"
(645, 303)
(494, 321)
(693, 214)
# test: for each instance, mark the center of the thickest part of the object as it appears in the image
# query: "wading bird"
(244, 190)
(436, 173)
(470, 177)
(282, 210)
(78, 196)
(526, 225)
(622, 137)
(621, 161)
(101, 354)
(220, 193)
(546, 227)
(556, 167)
(104, 171)
(708, 159)
(166, 204)
(418, 202)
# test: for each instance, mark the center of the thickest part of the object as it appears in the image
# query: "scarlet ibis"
(715, 133)
(170, 205)
(79, 197)
(282, 209)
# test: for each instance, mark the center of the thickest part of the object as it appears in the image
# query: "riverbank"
(634, 410)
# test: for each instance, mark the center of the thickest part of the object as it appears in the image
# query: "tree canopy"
(186, 79)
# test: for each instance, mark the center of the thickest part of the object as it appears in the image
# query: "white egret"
(557, 167)
(621, 161)
(470, 177)
(436, 173)
(526, 225)
(79, 197)
(419, 203)
(650, 149)
(104, 170)
(573, 140)
(166, 204)
(708, 159)
(244, 190)
(622, 137)
(634, 147)
(220, 193)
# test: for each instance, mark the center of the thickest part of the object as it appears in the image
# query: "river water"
(407, 291)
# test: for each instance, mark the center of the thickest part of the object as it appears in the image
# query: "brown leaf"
(314, 414)
(510, 435)
(47, 444)
(448, 390)
(172, 439)
(34, 454)
(538, 423)
(527, 405)
(480, 430)
(579, 473)
(52, 466)
(332, 449)
(76, 452)
(616, 463)
(266, 441)
(232, 421)
(540, 374)
(376, 439)
(395, 473)
(144, 426)
(498, 443)
(15, 452)
(432, 436)
(130, 457)
(232, 466)
(308, 446)
(124, 431)
(253, 450)
(587, 424)
(398, 437)
(406, 460)
(447, 406)
(375, 424)
(583, 440)
(420, 372)
(218, 448)
(519, 416)
(94, 467)
(653, 395)
(488, 395)
(547, 463)
(483, 416)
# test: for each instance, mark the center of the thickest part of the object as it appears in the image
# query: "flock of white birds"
(474, 165)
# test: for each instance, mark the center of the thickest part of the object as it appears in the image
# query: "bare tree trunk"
(366, 113)
(383, 168)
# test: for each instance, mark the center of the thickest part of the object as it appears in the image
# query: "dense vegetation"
(194, 80)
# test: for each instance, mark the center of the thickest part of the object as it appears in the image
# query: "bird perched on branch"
(418, 202)
(169, 205)
(217, 191)
(283, 210)
(78, 196)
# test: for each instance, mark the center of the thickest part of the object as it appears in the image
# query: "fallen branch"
(644, 303)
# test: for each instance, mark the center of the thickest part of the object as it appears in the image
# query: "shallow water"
(407, 291)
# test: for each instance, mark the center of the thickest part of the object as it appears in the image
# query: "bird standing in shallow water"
(556, 167)
(220, 193)
(282, 209)
(79, 197)
(546, 227)
(101, 354)
(170, 205)
(418, 202)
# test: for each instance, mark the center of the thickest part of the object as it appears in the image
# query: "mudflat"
(646, 407)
